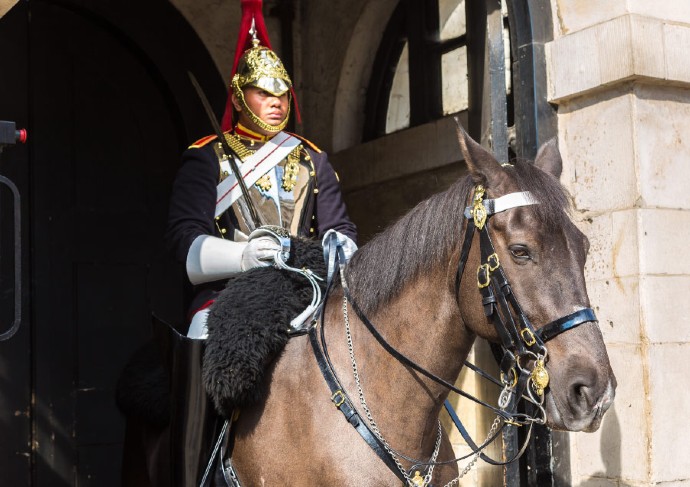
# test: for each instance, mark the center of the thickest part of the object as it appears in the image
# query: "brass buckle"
(338, 398)
(515, 379)
(486, 275)
(529, 339)
(484, 271)
(493, 262)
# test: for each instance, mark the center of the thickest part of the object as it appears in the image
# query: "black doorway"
(109, 109)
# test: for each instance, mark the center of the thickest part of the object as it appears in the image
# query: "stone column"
(620, 75)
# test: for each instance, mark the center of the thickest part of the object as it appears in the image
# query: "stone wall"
(6, 5)
(622, 84)
(216, 22)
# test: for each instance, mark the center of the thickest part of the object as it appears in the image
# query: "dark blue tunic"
(193, 203)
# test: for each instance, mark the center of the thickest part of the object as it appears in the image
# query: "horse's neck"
(423, 324)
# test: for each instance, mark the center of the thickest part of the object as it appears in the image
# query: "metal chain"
(427, 478)
(472, 462)
(370, 418)
(432, 460)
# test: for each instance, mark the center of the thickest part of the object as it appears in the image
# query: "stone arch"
(348, 118)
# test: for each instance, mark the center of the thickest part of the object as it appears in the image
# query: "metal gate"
(531, 123)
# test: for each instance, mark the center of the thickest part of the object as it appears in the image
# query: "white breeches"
(197, 328)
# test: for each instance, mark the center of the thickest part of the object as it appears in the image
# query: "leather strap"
(344, 405)
(406, 361)
(566, 323)
(470, 442)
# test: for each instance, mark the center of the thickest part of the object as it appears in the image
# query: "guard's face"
(271, 109)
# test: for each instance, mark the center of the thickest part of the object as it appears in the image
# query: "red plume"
(251, 10)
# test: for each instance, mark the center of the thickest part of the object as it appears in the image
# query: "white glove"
(260, 251)
(348, 245)
(212, 258)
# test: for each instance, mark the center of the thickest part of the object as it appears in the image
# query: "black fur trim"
(248, 324)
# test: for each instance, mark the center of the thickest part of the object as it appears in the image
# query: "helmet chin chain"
(273, 129)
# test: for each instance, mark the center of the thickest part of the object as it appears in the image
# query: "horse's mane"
(427, 235)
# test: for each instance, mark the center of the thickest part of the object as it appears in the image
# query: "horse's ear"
(549, 158)
(483, 166)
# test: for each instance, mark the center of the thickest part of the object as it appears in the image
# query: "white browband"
(506, 202)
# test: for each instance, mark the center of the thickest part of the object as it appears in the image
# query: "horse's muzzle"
(583, 404)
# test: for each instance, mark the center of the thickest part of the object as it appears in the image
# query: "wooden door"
(101, 168)
(103, 87)
(15, 352)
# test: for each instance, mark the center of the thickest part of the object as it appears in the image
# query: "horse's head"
(542, 254)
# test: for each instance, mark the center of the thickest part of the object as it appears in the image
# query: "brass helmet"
(260, 67)
(256, 65)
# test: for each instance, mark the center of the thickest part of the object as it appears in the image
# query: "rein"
(521, 343)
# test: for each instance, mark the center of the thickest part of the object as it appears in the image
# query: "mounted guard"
(358, 402)
(229, 187)
(290, 182)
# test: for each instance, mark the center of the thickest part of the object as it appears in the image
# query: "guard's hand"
(259, 252)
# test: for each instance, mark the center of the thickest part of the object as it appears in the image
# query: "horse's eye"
(519, 252)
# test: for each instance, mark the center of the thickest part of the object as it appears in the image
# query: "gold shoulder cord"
(242, 150)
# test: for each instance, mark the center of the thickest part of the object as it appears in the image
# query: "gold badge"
(479, 211)
(540, 377)
(291, 169)
(417, 480)
(264, 182)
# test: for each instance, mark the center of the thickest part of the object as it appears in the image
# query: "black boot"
(194, 424)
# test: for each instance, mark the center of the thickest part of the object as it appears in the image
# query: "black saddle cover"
(248, 326)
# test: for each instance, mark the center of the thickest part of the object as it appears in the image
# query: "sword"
(254, 220)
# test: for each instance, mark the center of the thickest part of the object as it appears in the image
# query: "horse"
(408, 301)
(395, 328)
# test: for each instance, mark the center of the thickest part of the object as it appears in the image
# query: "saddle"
(249, 325)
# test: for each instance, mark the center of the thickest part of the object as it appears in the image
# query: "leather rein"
(523, 373)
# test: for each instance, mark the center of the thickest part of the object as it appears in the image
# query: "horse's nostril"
(582, 397)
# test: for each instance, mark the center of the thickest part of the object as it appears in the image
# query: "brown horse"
(405, 281)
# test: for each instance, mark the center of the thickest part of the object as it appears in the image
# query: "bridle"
(522, 344)
(522, 366)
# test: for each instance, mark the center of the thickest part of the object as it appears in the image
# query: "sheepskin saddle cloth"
(248, 326)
